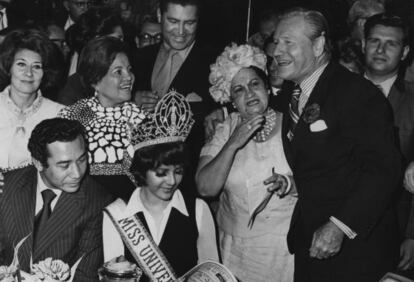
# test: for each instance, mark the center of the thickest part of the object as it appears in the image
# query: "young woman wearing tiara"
(161, 228)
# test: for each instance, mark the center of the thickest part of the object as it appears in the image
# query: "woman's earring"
(96, 93)
(234, 105)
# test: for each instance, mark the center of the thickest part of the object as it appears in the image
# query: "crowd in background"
(302, 143)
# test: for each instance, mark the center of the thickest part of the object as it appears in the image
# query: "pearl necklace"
(270, 121)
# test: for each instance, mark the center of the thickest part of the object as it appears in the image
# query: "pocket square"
(318, 125)
(193, 97)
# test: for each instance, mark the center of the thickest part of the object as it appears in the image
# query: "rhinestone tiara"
(171, 122)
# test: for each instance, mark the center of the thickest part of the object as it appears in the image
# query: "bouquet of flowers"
(8, 273)
(50, 270)
(11, 272)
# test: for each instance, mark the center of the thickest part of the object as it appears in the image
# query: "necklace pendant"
(21, 131)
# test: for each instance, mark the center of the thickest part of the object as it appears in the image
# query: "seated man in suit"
(55, 202)
(179, 62)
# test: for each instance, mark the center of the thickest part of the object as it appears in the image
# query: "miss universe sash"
(140, 243)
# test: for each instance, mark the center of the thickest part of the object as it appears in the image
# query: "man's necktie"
(176, 62)
(294, 110)
(163, 78)
(44, 214)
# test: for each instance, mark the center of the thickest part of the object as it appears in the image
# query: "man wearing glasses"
(149, 34)
(75, 8)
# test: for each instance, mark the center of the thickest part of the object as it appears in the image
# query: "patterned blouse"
(107, 130)
(16, 126)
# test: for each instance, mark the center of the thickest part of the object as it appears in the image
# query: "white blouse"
(206, 244)
(16, 126)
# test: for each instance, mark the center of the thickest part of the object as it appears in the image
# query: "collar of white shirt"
(309, 83)
(41, 186)
(69, 23)
(275, 90)
(183, 53)
(135, 204)
(5, 96)
(4, 18)
(385, 85)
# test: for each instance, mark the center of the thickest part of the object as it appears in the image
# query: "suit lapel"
(395, 97)
(187, 66)
(317, 96)
(68, 209)
(23, 202)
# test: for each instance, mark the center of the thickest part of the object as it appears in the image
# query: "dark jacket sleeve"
(366, 120)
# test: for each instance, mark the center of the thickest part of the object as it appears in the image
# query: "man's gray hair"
(318, 25)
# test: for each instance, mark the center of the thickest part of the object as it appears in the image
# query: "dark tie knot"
(296, 91)
(48, 196)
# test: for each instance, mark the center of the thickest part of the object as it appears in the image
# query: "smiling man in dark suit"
(339, 140)
(55, 202)
(179, 62)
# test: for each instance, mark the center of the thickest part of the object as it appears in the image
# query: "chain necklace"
(264, 133)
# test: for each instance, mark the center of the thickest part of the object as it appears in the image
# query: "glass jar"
(119, 271)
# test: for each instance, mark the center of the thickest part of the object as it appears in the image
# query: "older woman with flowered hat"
(245, 165)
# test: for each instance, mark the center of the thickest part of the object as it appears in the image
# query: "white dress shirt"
(4, 20)
(162, 58)
(16, 125)
(41, 186)
(307, 86)
(69, 23)
(384, 86)
(114, 247)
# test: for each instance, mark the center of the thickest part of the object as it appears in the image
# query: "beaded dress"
(108, 138)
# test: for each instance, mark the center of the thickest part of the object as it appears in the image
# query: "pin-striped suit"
(73, 230)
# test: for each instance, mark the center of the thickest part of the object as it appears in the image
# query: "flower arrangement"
(11, 272)
(51, 270)
(8, 273)
(48, 270)
(228, 64)
(311, 113)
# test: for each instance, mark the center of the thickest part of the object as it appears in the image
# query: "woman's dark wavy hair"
(96, 21)
(261, 73)
(152, 157)
(34, 40)
(52, 130)
(97, 57)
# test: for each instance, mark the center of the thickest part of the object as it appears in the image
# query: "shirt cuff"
(289, 184)
(348, 231)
